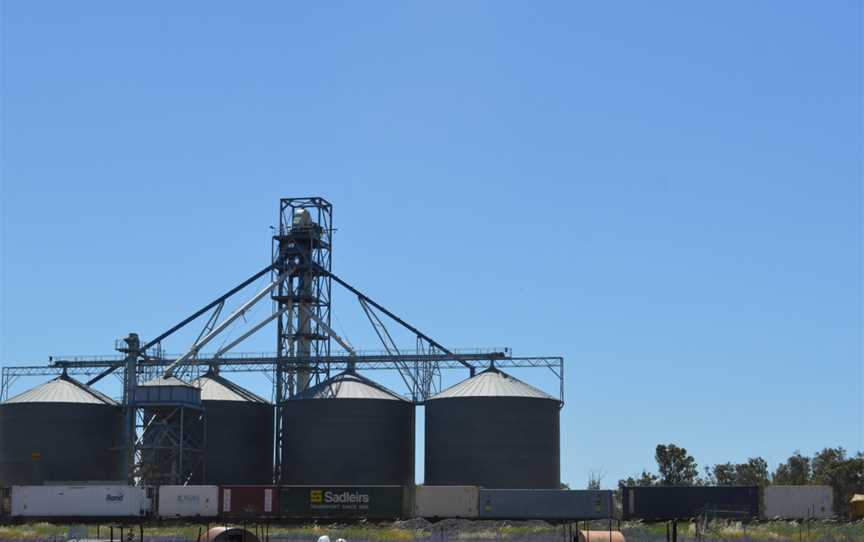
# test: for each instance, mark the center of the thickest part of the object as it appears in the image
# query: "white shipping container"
(446, 501)
(798, 502)
(188, 501)
(79, 501)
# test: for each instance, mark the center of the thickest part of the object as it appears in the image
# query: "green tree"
(724, 474)
(844, 474)
(675, 465)
(826, 464)
(644, 479)
(709, 479)
(752, 473)
(796, 471)
(595, 478)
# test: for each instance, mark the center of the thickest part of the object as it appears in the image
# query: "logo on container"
(346, 497)
(114, 498)
(316, 496)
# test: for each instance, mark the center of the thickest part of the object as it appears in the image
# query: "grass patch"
(477, 531)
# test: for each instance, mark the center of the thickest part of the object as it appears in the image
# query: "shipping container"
(5, 501)
(552, 504)
(188, 501)
(656, 503)
(798, 502)
(248, 501)
(79, 501)
(446, 501)
(343, 502)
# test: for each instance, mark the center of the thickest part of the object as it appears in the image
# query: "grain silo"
(61, 430)
(348, 430)
(494, 431)
(239, 433)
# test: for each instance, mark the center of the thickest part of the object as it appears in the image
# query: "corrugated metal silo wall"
(59, 441)
(493, 442)
(239, 448)
(348, 442)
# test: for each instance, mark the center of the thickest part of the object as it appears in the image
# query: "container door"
(226, 500)
(268, 500)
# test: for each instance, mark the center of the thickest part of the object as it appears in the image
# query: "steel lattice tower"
(302, 255)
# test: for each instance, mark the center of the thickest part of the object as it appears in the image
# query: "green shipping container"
(345, 502)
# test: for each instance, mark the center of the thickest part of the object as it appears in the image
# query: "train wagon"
(242, 502)
(344, 502)
(797, 502)
(548, 504)
(85, 501)
(660, 503)
(435, 502)
(188, 501)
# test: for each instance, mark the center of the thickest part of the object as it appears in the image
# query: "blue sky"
(666, 194)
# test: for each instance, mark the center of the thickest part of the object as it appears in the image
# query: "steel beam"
(157, 340)
(363, 297)
(201, 343)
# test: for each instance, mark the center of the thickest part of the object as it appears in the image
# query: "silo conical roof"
(492, 383)
(216, 388)
(350, 385)
(62, 389)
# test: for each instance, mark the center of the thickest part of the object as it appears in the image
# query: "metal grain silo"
(493, 431)
(348, 430)
(239, 433)
(61, 430)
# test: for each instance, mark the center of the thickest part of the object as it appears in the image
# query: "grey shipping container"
(343, 502)
(446, 501)
(550, 504)
(798, 502)
(657, 503)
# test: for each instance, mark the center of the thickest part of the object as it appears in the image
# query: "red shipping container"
(248, 501)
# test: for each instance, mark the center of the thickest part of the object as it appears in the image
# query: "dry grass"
(480, 531)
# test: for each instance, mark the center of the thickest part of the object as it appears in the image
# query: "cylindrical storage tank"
(601, 536)
(60, 431)
(227, 534)
(239, 433)
(348, 430)
(493, 431)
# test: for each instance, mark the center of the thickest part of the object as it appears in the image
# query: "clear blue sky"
(668, 194)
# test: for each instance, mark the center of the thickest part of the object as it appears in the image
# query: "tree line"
(834, 467)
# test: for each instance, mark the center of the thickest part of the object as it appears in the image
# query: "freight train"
(273, 503)
(253, 503)
(662, 503)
